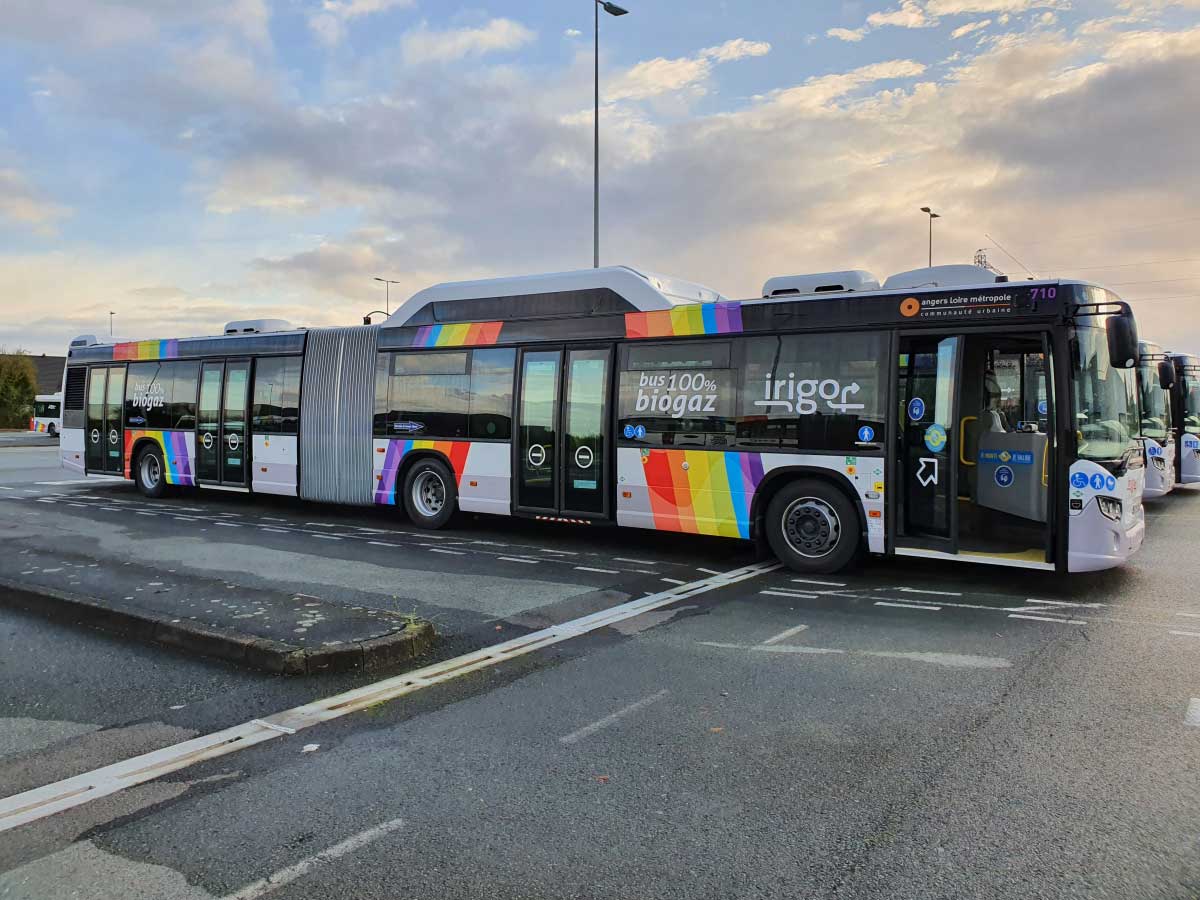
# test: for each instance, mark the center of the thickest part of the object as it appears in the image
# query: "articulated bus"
(47, 414)
(1156, 377)
(1185, 402)
(942, 415)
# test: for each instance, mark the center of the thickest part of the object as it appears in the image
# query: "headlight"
(1110, 508)
(1159, 463)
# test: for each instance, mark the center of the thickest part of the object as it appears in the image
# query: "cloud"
(908, 15)
(970, 27)
(851, 35)
(329, 22)
(93, 24)
(427, 46)
(22, 205)
(572, 32)
(654, 77)
(937, 8)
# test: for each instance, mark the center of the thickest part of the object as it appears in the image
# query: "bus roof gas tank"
(258, 326)
(943, 277)
(848, 281)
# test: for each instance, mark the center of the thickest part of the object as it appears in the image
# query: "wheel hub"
(429, 494)
(812, 527)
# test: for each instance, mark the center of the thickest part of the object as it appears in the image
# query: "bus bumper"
(1097, 542)
(1160, 478)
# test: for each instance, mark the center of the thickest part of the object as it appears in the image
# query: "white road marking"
(1186, 633)
(1193, 713)
(671, 580)
(908, 590)
(611, 719)
(382, 544)
(821, 583)
(324, 537)
(45, 500)
(1036, 602)
(1048, 619)
(709, 571)
(794, 595)
(222, 524)
(73, 481)
(637, 562)
(602, 571)
(286, 876)
(784, 635)
(770, 648)
(907, 605)
(440, 550)
(273, 530)
(38, 803)
(319, 524)
(532, 562)
(1189, 615)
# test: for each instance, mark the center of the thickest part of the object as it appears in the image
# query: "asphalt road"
(910, 730)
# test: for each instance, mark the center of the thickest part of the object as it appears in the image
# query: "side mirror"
(1122, 341)
(1166, 375)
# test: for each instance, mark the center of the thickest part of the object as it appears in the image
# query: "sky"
(184, 164)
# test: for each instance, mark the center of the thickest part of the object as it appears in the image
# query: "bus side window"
(276, 407)
(428, 395)
(490, 414)
(679, 394)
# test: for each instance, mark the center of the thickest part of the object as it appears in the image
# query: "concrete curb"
(267, 655)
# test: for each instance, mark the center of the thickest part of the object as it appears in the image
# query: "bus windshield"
(1105, 397)
(1156, 410)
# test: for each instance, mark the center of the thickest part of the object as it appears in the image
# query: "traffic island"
(277, 632)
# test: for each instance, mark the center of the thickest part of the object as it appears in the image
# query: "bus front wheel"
(430, 494)
(150, 472)
(812, 527)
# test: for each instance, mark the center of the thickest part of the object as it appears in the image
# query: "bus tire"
(51, 430)
(150, 473)
(430, 494)
(813, 527)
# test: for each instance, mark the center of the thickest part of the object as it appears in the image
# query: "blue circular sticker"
(935, 438)
(1097, 482)
(1043, 407)
(629, 432)
(1079, 480)
(1110, 483)
(866, 434)
(916, 409)
(639, 432)
(1004, 476)
(1153, 449)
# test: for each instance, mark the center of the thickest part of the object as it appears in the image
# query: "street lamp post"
(932, 215)
(110, 318)
(613, 10)
(387, 294)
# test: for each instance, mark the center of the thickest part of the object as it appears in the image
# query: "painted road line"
(636, 562)
(382, 544)
(1193, 713)
(821, 583)
(672, 581)
(517, 559)
(907, 605)
(908, 590)
(707, 571)
(770, 648)
(1185, 633)
(784, 635)
(789, 592)
(1189, 615)
(1047, 619)
(285, 876)
(440, 550)
(1035, 602)
(602, 571)
(324, 537)
(793, 595)
(222, 524)
(38, 803)
(73, 481)
(611, 719)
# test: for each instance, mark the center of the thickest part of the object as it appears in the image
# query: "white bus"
(1185, 397)
(47, 414)
(1156, 376)
(945, 414)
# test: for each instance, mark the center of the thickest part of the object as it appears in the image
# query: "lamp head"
(612, 9)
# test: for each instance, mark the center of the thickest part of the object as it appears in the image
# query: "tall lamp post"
(932, 215)
(613, 10)
(387, 294)
(110, 318)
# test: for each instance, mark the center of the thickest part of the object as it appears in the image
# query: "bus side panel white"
(485, 484)
(1160, 473)
(864, 475)
(1189, 464)
(1094, 541)
(633, 510)
(70, 449)
(274, 469)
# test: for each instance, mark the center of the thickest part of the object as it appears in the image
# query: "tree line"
(18, 386)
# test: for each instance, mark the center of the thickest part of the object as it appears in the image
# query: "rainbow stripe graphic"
(685, 321)
(175, 451)
(147, 350)
(464, 334)
(385, 488)
(37, 426)
(713, 495)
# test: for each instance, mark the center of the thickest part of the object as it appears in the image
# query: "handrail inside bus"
(962, 443)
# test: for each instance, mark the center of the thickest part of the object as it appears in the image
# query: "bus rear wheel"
(812, 527)
(430, 494)
(51, 430)
(150, 472)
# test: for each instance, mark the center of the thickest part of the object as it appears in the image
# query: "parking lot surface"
(904, 730)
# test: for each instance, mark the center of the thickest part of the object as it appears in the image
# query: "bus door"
(222, 433)
(977, 450)
(928, 477)
(105, 413)
(562, 451)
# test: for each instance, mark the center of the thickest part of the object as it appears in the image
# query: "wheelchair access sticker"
(1004, 476)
